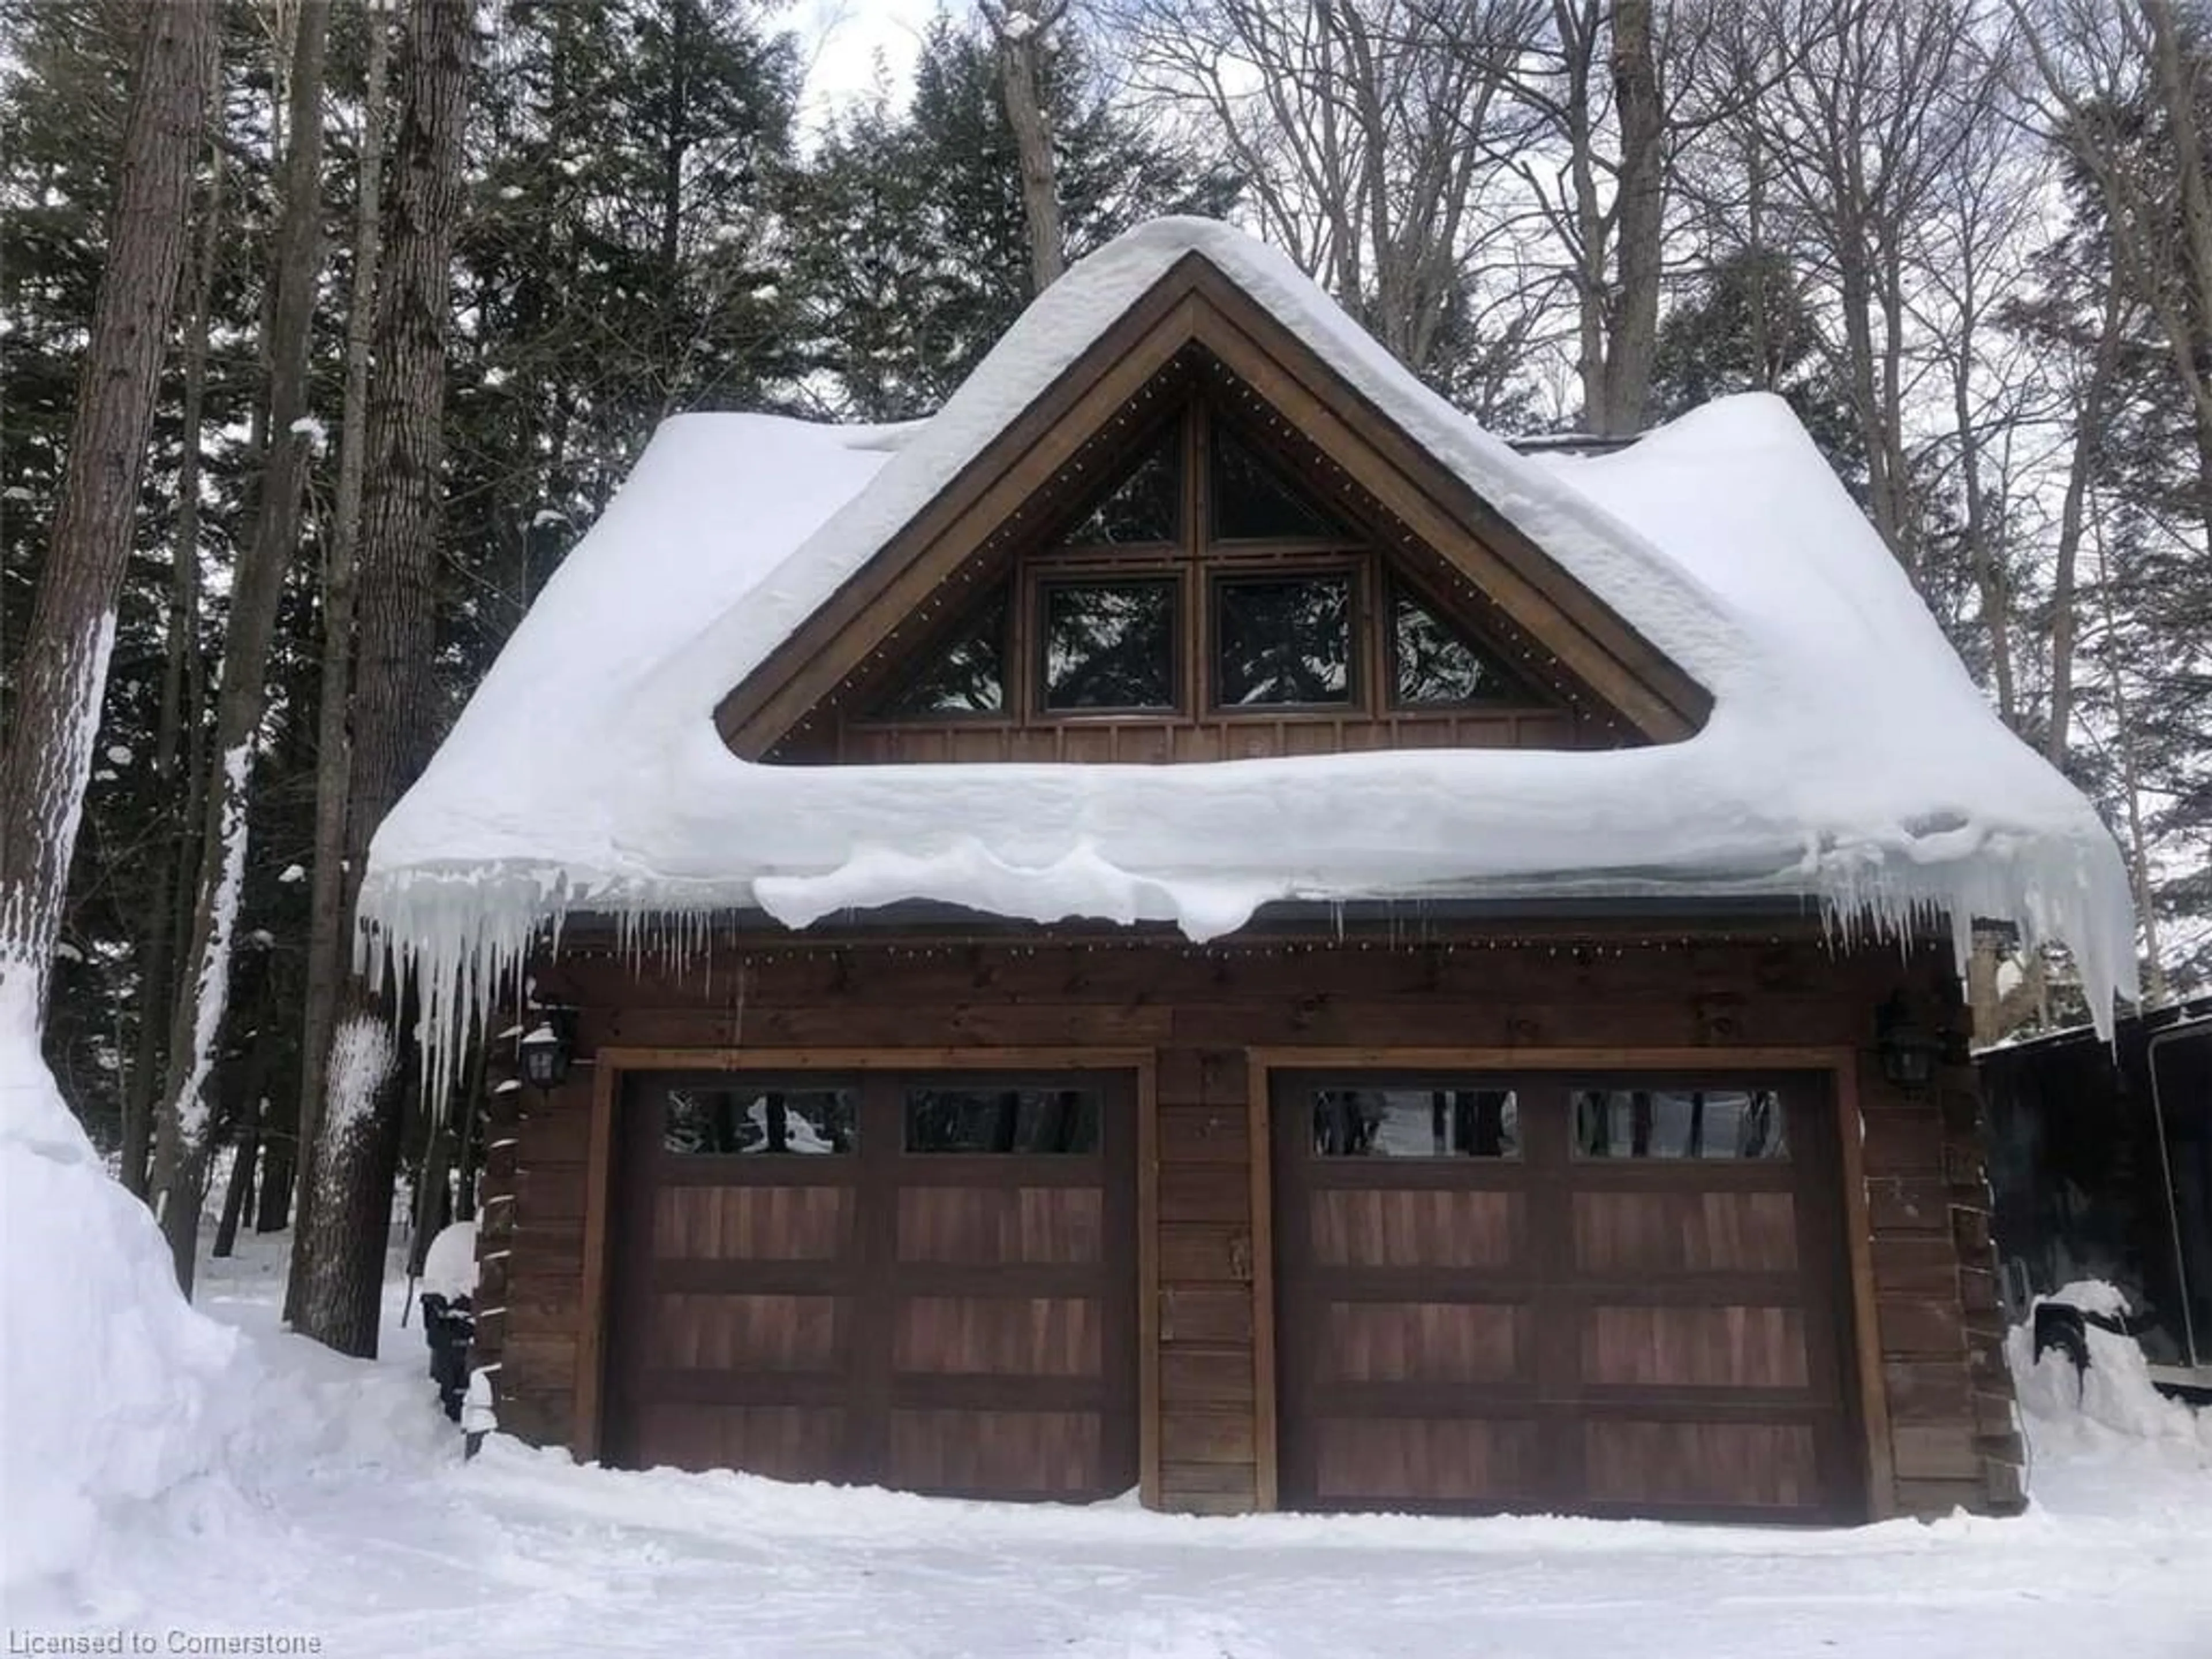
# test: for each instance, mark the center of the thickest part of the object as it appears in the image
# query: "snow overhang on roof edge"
(1849, 756)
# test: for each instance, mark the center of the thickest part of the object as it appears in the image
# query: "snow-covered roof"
(1848, 756)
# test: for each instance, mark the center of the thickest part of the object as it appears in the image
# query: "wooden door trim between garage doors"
(611, 1065)
(1840, 1063)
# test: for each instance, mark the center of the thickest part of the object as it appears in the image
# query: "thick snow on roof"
(1849, 756)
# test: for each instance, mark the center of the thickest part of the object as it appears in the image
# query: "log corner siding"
(1203, 1029)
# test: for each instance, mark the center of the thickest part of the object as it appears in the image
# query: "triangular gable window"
(1144, 505)
(1434, 664)
(965, 674)
(1252, 501)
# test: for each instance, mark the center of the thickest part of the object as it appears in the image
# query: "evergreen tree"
(909, 240)
(1749, 326)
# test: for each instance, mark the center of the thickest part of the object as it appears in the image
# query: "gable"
(1195, 333)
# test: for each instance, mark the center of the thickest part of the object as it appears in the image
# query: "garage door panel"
(1417, 1228)
(1425, 1341)
(749, 1333)
(1476, 1462)
(1698, 1233)
(784, 1442)
(753, 1223)
(1651, 1465)
(1632, 1308)
(995, 1226)
(820, 1274)
(1015, 1453)
(1704, 1347)
(1023, 1336)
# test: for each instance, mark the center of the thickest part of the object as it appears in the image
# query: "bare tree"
(339, 1251)
(1969, 250)
(47, 759)
(331, 890)
(1616, 90)
(1365, 133)
(1023, 31)
(2108, 74)
(1858, 131)
(2091, 401)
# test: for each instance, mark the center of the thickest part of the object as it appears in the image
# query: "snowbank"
(112, 1390)
(2114, 1397)
(1849, 758)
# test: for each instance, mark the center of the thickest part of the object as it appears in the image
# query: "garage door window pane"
(1681, 1123)
(1026, 1120)
(1416, 1123)
(719, 1122)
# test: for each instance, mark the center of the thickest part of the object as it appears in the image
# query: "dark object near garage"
(448, 1326)
(2100, 1163)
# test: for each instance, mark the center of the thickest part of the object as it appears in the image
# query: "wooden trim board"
(1267, 1440)
(1866, 1332)
(598, 1214)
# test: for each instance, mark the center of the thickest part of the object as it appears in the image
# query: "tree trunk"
(279, 1163)
(2177, 90)
(1984, 557)
(339, 1254)
(181, 1147)
(433, 1196)
(1021, 51)
(179, 720)
(1639, 208)
(2089, 437)
(331, 891)
(64, 666)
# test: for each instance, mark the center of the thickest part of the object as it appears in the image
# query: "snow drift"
(112, 1390)
(2114, 1398)
(1849, 759)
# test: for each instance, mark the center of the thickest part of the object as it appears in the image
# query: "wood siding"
(1151, 741)
(1934, 1406)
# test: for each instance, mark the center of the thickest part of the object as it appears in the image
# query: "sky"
(844, 39)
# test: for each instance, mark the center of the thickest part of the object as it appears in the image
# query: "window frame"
(1397, 587)
(1224, 574)
(761, 1082)
(1039, 707)
(1198, 566)
(1008, 713)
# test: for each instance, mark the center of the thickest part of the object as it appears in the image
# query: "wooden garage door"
(921, 1280)
(1611, 1295)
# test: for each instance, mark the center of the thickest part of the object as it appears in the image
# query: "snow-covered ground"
(345, 1514)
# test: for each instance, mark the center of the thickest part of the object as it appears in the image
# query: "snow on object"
(1849, 756)
(292, 872)
(479, 1415)
(114, 1389)
(449, 1265)
(117, 755)
(2115, 1395)
(362, 1054)
(547, 516)
(212, 992)
(317, 435)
